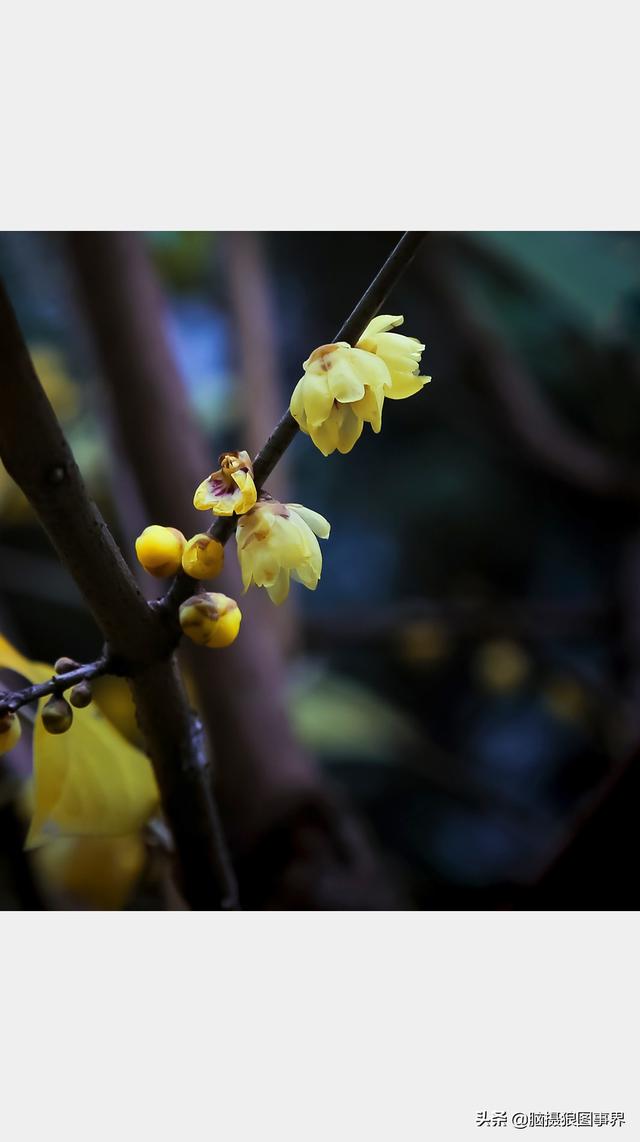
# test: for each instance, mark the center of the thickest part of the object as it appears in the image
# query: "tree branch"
(37, 456)
(265, 780)
(287, 428)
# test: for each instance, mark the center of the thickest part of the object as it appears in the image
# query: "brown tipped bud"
(81, 695)
(203, 557)
(65, 665)
(57, 716)
(210, 619)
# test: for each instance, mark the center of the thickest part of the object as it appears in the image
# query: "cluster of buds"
(56, 713)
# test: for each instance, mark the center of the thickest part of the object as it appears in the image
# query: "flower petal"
(380, 324)
(350, 430)
(280, 589)
(296, 406)
(370, 408)
(345, 380)
(318, 400)
(405, 385)
(247, 489)
(318, 524)
(325, 437)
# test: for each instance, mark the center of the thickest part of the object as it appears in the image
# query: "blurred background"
(451, 720)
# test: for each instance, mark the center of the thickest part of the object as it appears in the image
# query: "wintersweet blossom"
(344, 386)
(277, 542)
(229, 490)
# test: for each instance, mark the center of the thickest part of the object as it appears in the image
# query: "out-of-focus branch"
(37, 456)
(254, 326)
(547, 439)
(254, 321)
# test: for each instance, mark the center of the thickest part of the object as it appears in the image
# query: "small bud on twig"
(81, 695)
(57, 716)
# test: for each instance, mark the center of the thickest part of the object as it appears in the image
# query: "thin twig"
(57, 684)
(287, 428)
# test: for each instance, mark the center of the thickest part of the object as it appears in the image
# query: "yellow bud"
(159, 550)
(203, 557)
(57, 716)
(210, 619)
(10, 732)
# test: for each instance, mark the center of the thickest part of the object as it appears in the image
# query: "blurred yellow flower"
(502, 665)
(277, 542)
(99, 872)
(62, 393)
(52, 372)
(10, 732)
(87, 782)
(344, 386)
(230, 489)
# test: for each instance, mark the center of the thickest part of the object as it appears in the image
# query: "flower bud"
(81, 695)
(57, 716)
(159, 550)
(203, 557)
(65, 665)
(210, 619)
(10, 732)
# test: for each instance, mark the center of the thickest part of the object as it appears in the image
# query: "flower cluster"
(343, 388)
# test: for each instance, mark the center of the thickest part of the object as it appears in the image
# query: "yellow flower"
(10, 732)
(203, 557)
(230, 489)
(400, 354)
(210, 619)
(159, 550)
(278, 541)
(344, 387)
